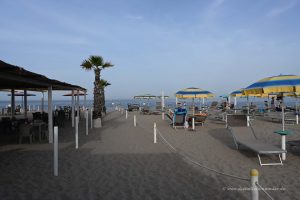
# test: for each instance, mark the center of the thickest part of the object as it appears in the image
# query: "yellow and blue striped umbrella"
(192, 93)
(239, 93)
(275, 84)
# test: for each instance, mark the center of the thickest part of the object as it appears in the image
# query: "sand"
(120, 161)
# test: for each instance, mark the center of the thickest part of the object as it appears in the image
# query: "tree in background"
(97, 64)
(103, 84)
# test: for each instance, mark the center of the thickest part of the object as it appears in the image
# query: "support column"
(50, 115)
(73, 110)
(84, 100)
(12, 103)
(78, 111)
(25, 103)
(42, 103)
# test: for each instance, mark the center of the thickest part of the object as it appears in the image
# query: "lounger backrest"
(242, 133)
(179, 118)
(237, 120)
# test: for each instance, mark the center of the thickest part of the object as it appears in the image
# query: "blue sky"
(217, 45)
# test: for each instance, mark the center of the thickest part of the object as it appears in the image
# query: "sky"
(155, 45)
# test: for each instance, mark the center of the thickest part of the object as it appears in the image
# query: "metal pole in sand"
(254, 181)
(55, 146)
(154, 133)
(134, 120)
(76, 132)
(126, 114)
(86, 122)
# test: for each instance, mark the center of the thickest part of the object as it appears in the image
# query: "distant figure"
(266, 105)
(273, 103)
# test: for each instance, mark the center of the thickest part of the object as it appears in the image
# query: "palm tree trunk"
(103, 100)
(97, 96)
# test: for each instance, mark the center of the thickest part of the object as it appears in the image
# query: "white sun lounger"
(245, 136)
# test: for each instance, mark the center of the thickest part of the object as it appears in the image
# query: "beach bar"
(17, 78)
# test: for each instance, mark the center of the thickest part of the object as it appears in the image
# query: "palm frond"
(107, 64)
(96, 61)
(86, 65)
(104, 83)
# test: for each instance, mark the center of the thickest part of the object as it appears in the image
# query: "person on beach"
(273, 103)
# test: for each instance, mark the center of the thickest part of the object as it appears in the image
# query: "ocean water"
(111, 103)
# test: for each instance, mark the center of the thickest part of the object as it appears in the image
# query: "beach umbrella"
(239, 93)
(280, 85)
(193, 93)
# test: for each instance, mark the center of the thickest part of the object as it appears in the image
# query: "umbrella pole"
(296, 109)
(283, 136)
(248, 105)
(193, 107)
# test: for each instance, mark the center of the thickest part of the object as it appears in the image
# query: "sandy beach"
(120, 161)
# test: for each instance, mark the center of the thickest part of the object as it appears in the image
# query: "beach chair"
(145, 110)
(198, 119)
(25, 131)
(179, 119)
(213, 105)
(245, 136)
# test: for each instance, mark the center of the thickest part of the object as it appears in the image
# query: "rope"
(190, 159)
(268, 195)
(186, 157)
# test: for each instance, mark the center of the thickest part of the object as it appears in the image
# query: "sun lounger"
(243, 135)
(177, 117)
(198, 119)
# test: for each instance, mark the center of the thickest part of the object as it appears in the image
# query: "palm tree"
(97, 64)
(103, 84)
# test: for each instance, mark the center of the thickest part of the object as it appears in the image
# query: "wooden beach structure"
(17, 78)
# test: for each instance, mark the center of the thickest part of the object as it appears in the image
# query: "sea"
(170, 103)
